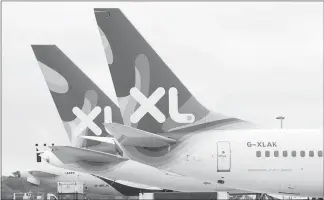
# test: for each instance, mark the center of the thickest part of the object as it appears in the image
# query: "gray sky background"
(260, 60)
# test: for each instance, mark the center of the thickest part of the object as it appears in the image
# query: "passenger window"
(276, 153)
(284, 153)
(320, 153)
(267, 153)
(311, 153)
(302, 153)
(258, 154)
(293, 153)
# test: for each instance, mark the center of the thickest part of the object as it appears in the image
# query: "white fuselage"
(142, 176)
(229, 157)
(270, 161)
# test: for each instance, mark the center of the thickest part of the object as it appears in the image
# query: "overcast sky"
(260, 60)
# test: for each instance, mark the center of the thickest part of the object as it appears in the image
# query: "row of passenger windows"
(292, 153)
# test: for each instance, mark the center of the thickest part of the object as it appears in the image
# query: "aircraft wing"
(127, 188)
(67, 154)
(137, 185)
(37, 173)
(135, 137)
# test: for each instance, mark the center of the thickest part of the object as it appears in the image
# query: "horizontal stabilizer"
(67, 154)
(108, 140)
(135, 137)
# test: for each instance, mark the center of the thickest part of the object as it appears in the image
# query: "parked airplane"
(83, 109)
(165, 126)
(94, 187)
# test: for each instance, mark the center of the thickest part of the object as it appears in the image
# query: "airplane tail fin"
(138, 74)
(81, 104)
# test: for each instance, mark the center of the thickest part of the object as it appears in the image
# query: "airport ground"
(11, 185)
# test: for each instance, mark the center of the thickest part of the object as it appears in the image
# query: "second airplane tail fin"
(81, 104)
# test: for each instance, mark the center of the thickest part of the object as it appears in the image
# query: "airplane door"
(223, 157)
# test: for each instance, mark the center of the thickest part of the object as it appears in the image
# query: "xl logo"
(147, 105)
(87, 120)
